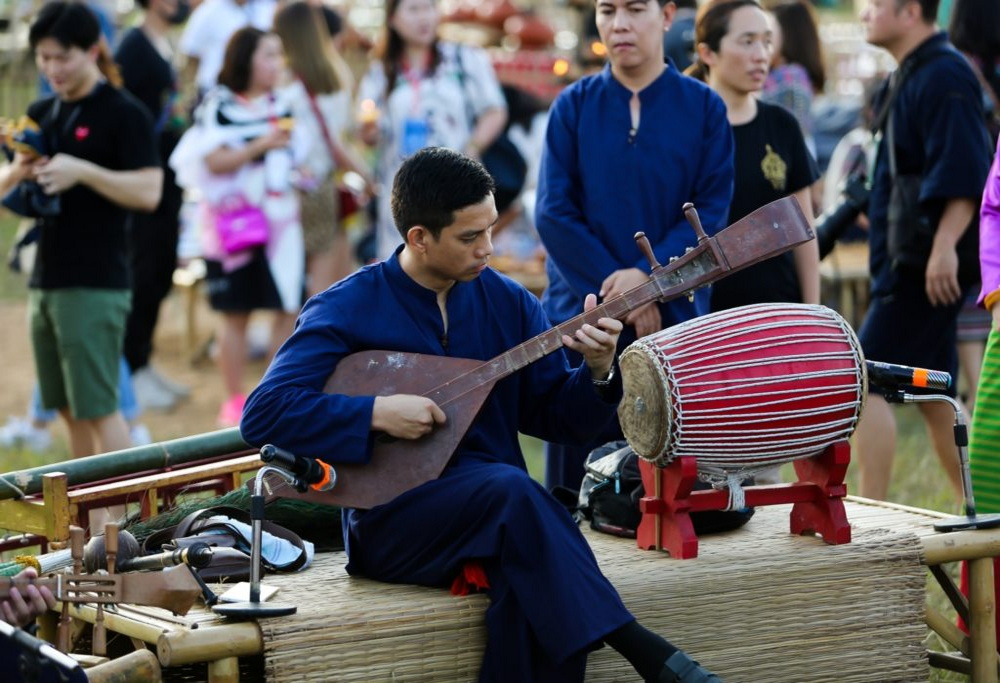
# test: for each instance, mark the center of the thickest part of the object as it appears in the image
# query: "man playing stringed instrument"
(549, 603)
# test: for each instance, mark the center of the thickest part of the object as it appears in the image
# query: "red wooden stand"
(669, 501)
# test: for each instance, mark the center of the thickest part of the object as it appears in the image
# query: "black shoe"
(680, 668)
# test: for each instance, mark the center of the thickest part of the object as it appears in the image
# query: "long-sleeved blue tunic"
(549, 602)
(601, 182)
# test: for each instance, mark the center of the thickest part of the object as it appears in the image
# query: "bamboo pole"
(946, 628)
(120, 622)
(208, 644)
(224, 670)
(155, 456)
(961, 545)
(982, 630)
(140, 666)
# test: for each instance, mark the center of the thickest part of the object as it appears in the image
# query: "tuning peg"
(647, 250)
(692, 216)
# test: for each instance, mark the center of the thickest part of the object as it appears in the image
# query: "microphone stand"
(970, 520)
(254, 607)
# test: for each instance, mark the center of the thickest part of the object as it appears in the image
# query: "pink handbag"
(240, 226)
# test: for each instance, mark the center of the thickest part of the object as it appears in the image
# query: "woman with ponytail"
(733, 46)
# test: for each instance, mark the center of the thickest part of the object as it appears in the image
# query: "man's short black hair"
(432, 185)
(71, 24)
(928, 8)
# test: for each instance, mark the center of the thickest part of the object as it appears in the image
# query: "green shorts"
(77, 336)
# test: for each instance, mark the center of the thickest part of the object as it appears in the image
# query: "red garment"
(471, 579)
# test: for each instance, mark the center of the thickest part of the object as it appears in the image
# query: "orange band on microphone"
(324, 481)
(919, 377)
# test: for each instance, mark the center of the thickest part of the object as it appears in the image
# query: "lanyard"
(415, 79)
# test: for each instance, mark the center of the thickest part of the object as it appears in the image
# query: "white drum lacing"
(694, 358)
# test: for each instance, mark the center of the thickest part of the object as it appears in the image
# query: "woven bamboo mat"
(757, 605)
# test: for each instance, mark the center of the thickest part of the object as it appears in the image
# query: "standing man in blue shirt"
(934, 111)
(624, 150)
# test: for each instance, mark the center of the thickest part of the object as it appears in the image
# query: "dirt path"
(194, 415)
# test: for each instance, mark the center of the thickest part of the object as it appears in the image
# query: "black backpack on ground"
(612, 487)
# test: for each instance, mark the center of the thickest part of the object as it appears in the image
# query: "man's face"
(632, 31)
(165, 9)
(883, 22)
(68, 69)
(462, 250)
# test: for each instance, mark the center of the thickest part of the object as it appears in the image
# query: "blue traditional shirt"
(601, 182)
(940, 133)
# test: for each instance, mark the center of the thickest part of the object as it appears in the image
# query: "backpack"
(612, 488)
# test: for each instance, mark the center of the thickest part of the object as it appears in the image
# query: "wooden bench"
(48, 516)
(757, 605)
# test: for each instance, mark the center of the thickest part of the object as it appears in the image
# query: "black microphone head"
(198, 555)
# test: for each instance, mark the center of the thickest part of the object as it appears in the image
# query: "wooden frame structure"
(360, 607)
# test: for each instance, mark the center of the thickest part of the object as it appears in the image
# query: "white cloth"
(336, 111)
(210, 27)
(450, 100)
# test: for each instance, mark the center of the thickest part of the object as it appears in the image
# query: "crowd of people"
(255, 117)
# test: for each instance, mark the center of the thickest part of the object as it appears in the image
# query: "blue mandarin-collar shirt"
(600, 183)
(940, 133)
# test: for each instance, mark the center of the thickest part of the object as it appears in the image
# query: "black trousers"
(153, 258)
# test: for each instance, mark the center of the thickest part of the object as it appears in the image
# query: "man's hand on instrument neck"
(596, 344)
(405, 416)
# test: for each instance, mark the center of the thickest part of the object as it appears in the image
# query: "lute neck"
(686, 273)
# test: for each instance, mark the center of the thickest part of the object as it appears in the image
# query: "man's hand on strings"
(406, 416)
(596, 343)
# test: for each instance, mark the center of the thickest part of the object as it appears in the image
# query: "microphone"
(197, 555)
(892, 377)
(313, 473)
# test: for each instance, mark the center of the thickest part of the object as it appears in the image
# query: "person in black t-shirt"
(104, 164)
(733, 41)
(144, 57)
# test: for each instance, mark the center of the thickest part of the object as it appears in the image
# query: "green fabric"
(984, 443)
(77, 336)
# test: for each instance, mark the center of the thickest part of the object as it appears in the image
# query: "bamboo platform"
(757, 605)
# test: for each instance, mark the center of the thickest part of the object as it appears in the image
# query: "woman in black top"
(733, 42)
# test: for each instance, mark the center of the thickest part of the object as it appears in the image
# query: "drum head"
(645, 411)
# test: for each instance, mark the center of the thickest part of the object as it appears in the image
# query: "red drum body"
(743, 389)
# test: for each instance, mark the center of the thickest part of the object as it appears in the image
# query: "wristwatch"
(607, 380)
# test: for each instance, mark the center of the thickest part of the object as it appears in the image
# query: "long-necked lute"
(460, 386)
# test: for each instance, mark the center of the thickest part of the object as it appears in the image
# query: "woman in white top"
(242, 152)
(319, 92)
(427, 93)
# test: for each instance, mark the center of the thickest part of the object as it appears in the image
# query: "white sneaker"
(140, 435)
(149, 393)
(21, 432)
(174, 387)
